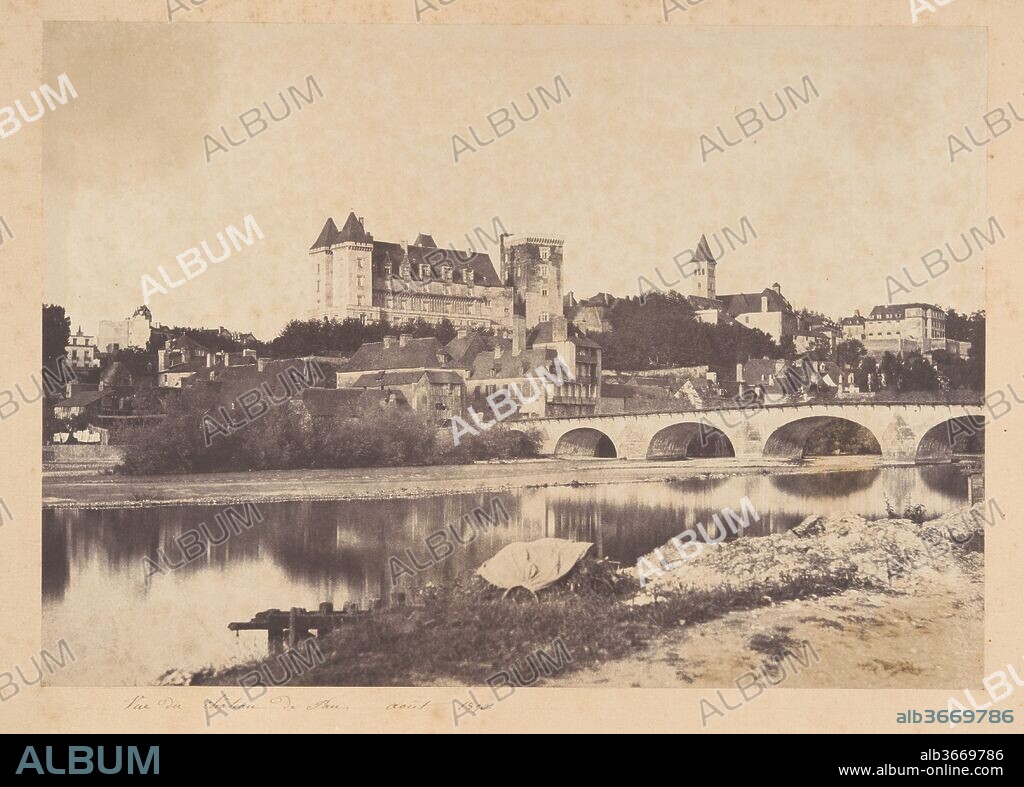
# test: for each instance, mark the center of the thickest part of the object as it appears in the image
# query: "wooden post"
(327, 615)
(275, 641)
(293, 627)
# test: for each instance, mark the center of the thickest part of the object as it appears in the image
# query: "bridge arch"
(586, 441)
(959, 435)
(821, 435)
(689, 440)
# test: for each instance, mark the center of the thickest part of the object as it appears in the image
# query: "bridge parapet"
(898, 427)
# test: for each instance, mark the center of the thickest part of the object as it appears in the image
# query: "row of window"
(426, 273)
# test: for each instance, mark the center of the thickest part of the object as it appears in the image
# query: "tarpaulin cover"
(533, 565)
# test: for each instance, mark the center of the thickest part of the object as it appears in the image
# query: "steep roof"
(600, 299)
(747, 302)
(386, 379)
(463, 349)
(699, 303)
(703, 251)
(484, 274)
(82, 398)
(417, 354)
(425, 241)
(327, 235)
(180, 342)
(509, 366)
(352, 231)
(897, 311)
(191, 367)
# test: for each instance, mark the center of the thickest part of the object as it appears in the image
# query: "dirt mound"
(820, 556)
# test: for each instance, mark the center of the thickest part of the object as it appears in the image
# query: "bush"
(287, 437)
(915, 513)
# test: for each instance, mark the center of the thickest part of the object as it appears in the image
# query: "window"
(545, 252)
(360, 281)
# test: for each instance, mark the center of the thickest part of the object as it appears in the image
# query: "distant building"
(767, 310)
(184, 360)
(438, 393)
(322, 405)
(805, 341)
(357, 276)
(85, 403)
(420, 369)
(81, 350)
(828, 329)
(901, 327)
(575, 360)
(133, 331)
(591, 314)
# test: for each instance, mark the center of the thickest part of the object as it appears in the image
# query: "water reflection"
(128, 628)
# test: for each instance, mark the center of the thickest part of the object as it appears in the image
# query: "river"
(127, 623)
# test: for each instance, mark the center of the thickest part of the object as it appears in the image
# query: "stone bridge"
(904, 432)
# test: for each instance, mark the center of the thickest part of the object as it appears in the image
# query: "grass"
(466, 632)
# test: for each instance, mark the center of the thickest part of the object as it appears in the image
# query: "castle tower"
(704, 270)
(343, 278)
(532, 265)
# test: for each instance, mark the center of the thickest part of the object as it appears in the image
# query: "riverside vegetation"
(288, 437)
(465, 630)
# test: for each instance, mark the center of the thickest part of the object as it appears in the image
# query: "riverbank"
(101, 489)
(883, 604)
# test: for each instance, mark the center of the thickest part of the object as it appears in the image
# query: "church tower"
(704, 270)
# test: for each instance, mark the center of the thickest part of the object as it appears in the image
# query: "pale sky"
(842, 192)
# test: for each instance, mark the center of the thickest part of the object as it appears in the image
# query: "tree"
(137, 361)
(849, 354)
(821, 349)
(56, 332)
(810, 317)
(908, 372)
(662, 331)
(918, 374)
(787, 347)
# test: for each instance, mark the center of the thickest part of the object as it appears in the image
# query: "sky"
(842, 192)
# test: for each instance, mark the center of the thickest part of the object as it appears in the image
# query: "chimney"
(856, 312)
(518, 335)
(161, 360)
(404, 339)
(389, 342)
(559, 329)
(778, 288)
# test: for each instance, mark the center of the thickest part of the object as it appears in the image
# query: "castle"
(359, 277)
